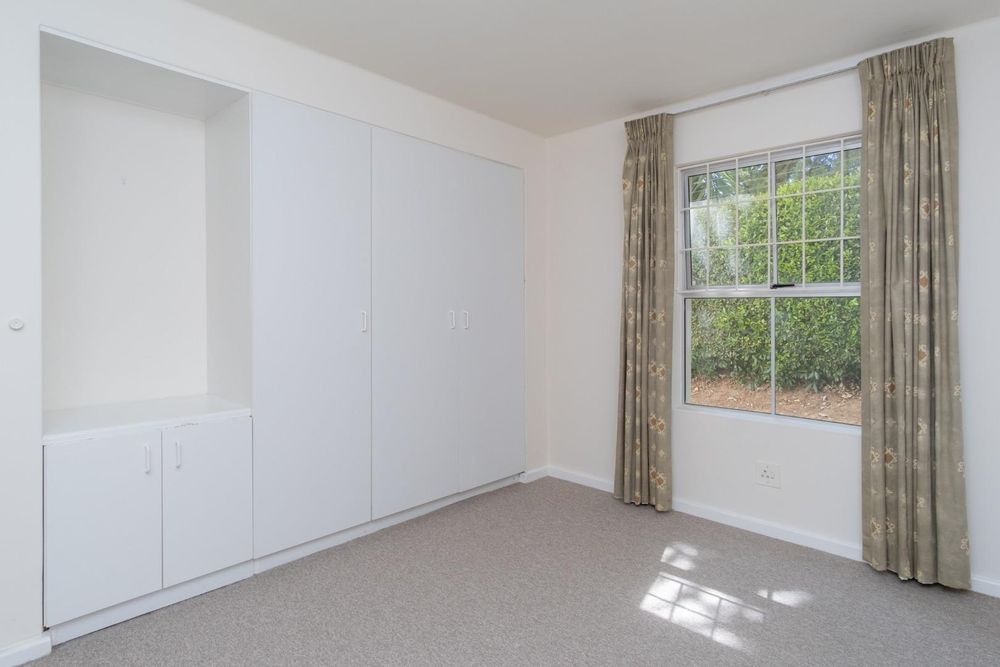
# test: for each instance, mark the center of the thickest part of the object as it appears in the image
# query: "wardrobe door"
(102, 523)
(491, 361)
(207, 497)
(415, 229)
(311, 349)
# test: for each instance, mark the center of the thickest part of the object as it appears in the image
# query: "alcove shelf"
(146, 242)
(101, 420)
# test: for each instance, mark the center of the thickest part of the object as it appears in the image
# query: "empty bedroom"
(482, 332)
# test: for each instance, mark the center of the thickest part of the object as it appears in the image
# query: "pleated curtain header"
(658, 127)
(929, 60)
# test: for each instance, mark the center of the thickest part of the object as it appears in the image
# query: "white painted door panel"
(311, 360)
(491, 360)
(415, 233)
(102, 523)
(207, 498)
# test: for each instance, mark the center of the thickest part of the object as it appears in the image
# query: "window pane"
(723, 184)
(730, 349)
(818, 358)
(722, 268)
(753, 221)
(823, 262)
(724, 219)
(790, 263)
(852, 212)
(754, 265)
(823, 215)
(788, 216)
(823, 171)
(852, 261)
(788, 176)
(698, 268)
(697, 189)
(697, 220)
(852, 166)
(753, 180)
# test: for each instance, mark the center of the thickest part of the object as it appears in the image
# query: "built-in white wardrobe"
(312, 323)
(388, 323)
(447, 292)
(267, 327)
(146, 237)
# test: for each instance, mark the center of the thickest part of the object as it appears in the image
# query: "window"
(772, 259)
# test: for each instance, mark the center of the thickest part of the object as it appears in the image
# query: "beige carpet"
(551, 573)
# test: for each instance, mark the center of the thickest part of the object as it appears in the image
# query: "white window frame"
(685, 293)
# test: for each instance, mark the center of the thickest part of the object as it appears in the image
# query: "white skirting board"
(147, 603)
(302, 550)
(40, 646)
(754, 525)
(26, 651)
(769, 528)
(569, 476)
(986, 586)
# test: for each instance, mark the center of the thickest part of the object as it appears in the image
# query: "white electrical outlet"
(769, 474)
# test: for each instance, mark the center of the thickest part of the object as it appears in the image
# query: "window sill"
(764, 418)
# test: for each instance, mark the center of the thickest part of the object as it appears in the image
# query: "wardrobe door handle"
(465, 317)
(451, 318)
(177, 454)
(149, 462)
(364, 320)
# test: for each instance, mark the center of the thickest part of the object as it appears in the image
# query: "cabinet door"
(491, 344)
(414, 294)
(311, 292)
(207, 498)
(102, 523)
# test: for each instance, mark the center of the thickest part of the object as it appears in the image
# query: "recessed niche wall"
(145, 231)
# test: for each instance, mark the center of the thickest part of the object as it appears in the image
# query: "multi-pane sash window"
(771, 255)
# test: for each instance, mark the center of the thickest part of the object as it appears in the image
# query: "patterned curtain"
(642, 466)
(913, 477)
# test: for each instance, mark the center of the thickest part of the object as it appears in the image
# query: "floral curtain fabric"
(643, 460)
(913, 473)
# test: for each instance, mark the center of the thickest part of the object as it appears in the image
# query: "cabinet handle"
(465, 317)
(149, 462)
(451, 318)
(177, 454)
(364, 320)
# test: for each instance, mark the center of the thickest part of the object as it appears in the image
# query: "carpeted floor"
(551, 573)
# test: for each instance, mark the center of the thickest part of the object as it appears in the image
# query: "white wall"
(21, 351)
(715, 452)
(228, 240)
(978, 60)
(123, 208)
(190, 38)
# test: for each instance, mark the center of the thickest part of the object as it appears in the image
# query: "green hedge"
(817, 340)
(716, 226)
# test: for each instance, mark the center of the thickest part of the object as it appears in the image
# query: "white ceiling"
(551, 66)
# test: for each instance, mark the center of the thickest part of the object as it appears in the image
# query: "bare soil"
(835, 403)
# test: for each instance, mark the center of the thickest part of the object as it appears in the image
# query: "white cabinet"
(207, 496)
(311, 323)
(447, 364)
(102, 523)
(385, 330)
(131, 512)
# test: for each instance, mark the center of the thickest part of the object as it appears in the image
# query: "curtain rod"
(764, 91)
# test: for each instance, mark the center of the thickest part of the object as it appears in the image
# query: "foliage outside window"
(789, 218)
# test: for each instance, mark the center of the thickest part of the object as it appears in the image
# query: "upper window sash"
(789, 215)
